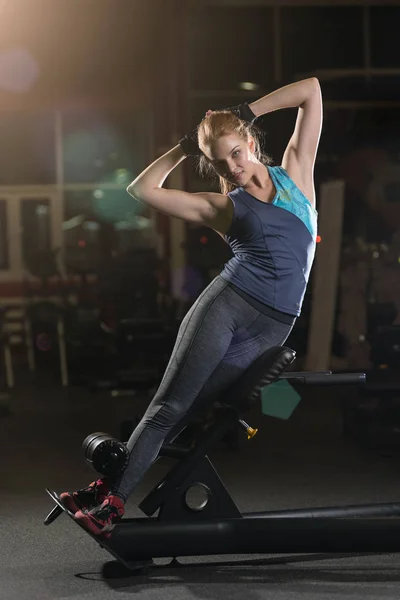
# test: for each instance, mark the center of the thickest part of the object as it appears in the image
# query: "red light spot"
(319, 238)
(81, 243)
(203, 239)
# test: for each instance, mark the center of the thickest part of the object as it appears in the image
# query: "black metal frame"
(218, 527)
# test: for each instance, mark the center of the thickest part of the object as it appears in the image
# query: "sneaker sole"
(90, 525)
(103, 542)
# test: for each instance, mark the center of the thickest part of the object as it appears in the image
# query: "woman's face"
(232, 158)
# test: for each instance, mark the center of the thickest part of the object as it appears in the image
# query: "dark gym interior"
(94, 286)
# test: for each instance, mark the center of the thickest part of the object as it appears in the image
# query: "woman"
(267, 216)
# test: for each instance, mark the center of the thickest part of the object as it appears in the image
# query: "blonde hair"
(217, 124)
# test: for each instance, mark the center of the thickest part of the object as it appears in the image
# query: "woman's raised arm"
(299, 156)
(201, 208)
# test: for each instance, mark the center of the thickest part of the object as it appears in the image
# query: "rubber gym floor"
(303, 462)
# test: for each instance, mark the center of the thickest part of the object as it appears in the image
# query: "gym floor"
(299, 463)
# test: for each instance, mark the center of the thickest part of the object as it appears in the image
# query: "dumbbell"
(107, 455)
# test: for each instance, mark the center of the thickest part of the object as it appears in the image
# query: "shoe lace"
(105, 511)
(94, 489)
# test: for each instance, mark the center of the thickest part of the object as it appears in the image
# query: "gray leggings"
(221, 335)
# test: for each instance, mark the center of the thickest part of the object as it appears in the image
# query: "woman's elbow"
(315, 83)
(134, 191)
(140, 193)
(129, 189)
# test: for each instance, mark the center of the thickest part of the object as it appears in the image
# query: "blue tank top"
(273, 244)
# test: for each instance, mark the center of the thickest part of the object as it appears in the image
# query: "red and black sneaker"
(86, 498)
(101, 520)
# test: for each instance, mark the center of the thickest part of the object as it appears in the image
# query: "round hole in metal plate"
(197, 496)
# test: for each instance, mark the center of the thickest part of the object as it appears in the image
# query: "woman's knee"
(165, 417)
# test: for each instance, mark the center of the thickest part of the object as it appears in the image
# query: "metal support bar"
(174, 450)
(323, 378)
(182, 469)
(62, 351)
(143, 539)
(353, 510)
